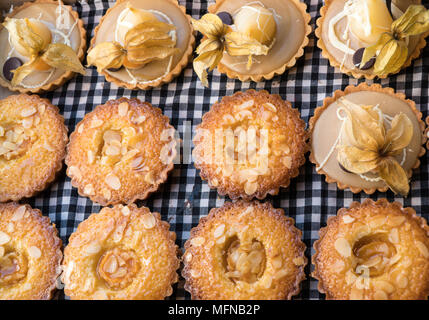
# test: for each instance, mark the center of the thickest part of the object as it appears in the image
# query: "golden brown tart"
(121, 253)
(141, 44)
(250, 144)
(121, 151)
(244, 250)
(372, 38)
(373, 251)
(251, 40)
(43, 44)
(30, 253)
(33, 141)
(367, 138)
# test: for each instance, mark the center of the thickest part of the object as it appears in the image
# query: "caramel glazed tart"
(244, 250)
(419, 44)
(43, 84)
(178, 62)
(375, 251)
(121, 151)
(228, 64)
(33, 139)
(269, 161)
(121, 253)
(30, 253)
(363, 87)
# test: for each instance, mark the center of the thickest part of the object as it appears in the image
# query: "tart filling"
(372, 37)
(33, 141)
(251, 39)
(139, 43)
(43, 43)
(250, 144)
(121, 253)
(120, 152)
(373, 251)
(30, 254)
(244, 250)
(367, 138)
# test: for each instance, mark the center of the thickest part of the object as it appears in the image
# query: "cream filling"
(386, 118)
(62, 22)
(121, 22)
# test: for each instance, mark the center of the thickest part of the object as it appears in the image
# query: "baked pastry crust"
(121, 151)
(207, 253)
(356, 73)
(33, 145)
(68, 74)
(30, 253)
(121, 253)
(286, 144)
(232, 74)
(187, 55)
(405, 273)
(364, 87)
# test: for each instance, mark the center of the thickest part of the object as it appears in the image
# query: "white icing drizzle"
(59, 24)
(386, 118)
(332, 34)
(121, 22)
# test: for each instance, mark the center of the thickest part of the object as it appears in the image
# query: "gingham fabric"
(184, 198)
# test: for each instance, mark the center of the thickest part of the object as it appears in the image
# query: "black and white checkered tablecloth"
(184, 198)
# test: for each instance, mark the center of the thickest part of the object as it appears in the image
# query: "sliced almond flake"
(125, 211)
(280, 274)
(10, 227)
(228, 118)
(112, 151)
(149, 220)
(401, 281)
(4, 238)
(75, 172)
(188, 257)
(27, 286)
(422, 248)
(19, 213)
(395, 221)
(287, 161)
(270, 106)
(219, 231)
(136, 162)
(2, 250)
(343, 247)
(28, 112)
(250, 187)
(89, 190)
(93, 248)
(113, 182)
(95, 123)
(9, 145)
(244, 105)
(80, 129)
(221, 240)
(380, 295)
(41, 109)
(198, 241)
(299, 261)
(149, 177)
(27, 122)
(385, 286)
(394, 236)
(107, 194)
(90, 156)
(275, 118)
(138, 120)
(123, 109)
(34, 252)
(277, 262)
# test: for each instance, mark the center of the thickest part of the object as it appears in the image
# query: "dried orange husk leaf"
(20, 73)
(150, 30)
(142, 55)
(61, 56)
(357, 160)
(394, 175)
(209, 45)
(204, 61)
(240, 44)
(106, 55)
(391, 57)
(400, 134)
(413, 22)
(21, 32)
(373, 50)
(211, 26)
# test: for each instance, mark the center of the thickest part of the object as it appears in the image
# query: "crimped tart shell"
(297, 152)
(43, 171)
(127, 233)
(68, 74)
(84, 173)
(268, 76)
(356, 73)
(364, 87)
(344, 213)
(183, 62)
(39, 247)
(252, 220)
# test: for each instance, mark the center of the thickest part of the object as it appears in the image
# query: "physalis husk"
(145, 42)
(373, 148)
(33, 39)
(218, 38)
(391, 50)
